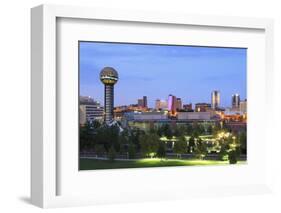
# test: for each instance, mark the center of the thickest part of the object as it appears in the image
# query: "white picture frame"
(45, 168)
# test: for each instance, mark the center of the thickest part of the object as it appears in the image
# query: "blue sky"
(188, 72)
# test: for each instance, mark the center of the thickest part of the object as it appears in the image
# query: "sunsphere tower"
(108, 77)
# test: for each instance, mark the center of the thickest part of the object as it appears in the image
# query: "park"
(106, 147)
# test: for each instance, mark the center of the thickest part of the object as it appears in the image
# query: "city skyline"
(161, 101)
(188, 72)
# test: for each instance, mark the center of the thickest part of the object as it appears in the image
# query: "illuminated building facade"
(194, 115)
(179, 104)
(215, 99)
(89, 110)
(243, 106)
(172, 104)
(142, 102)
(235, 102)
(108, 77)
(161, 104)
(202, 107)
(150, 116)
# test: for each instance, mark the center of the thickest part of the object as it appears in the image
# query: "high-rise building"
(235, 102)
(157, 104)
(172, 104)
(161, 104)
(243, 106)
(142, 102)
(89, 110)
(108, 77)
(202, 107)
(215, 99)
(179, 104)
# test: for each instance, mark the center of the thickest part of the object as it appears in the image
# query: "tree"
(149, 144)
(96, 124)
(200, 148)
(198, 129)
(113, 132)
(152, 130)
(182, 130)
(160, 131)
(124, 142)
(210, 129)
(195, 134)
(111, 153)
(215, 129)
(224, 147)
(99, 149)
(86, 137)
(189, 129)
(242, 140)
(161, 152)
(131, 151)
(232, 157)
(176, 131)
(234, 150)
(108, 136)
(167, 131)
(134, 138)
(180, 146)
(191, 144)
(144, 146)
(153, 141)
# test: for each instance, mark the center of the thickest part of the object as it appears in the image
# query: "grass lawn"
(90, 164)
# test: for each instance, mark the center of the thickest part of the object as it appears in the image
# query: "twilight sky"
(188, 72)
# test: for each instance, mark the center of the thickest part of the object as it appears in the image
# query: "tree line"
(109, 141)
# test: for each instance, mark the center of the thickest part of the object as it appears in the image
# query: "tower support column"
(108, 102)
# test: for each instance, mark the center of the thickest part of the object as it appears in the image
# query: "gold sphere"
(109, 75)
